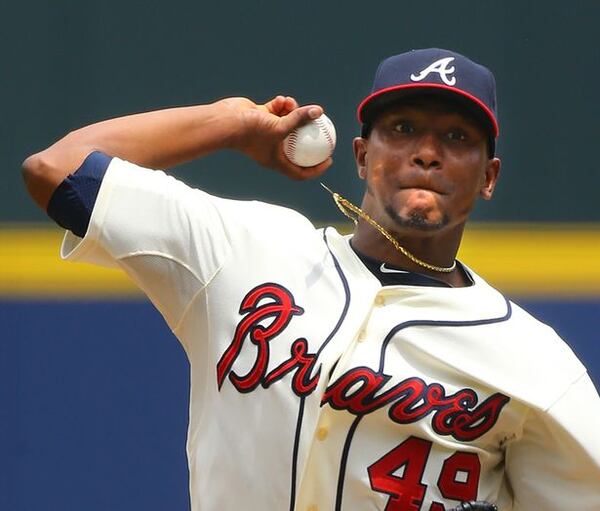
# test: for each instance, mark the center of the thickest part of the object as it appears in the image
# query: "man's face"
(425, 163)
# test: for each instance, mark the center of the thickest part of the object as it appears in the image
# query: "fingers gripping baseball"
(298, 117)
(269, 125)
(281, 105)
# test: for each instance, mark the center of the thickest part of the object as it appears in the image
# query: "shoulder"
(531, 361)
(155, 186)
(544, 342)
(538, 340)
(261, 215)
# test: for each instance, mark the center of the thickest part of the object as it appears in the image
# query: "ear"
(492, 172)
(359, 146)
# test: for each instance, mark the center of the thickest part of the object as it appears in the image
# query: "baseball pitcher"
(329, 372)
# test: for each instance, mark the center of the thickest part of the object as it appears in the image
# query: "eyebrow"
(462, 118)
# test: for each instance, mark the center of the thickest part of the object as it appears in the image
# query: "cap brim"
(374, 102)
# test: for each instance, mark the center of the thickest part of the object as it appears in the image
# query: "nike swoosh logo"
(383, 269)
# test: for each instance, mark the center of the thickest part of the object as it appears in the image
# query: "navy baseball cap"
(434, 71)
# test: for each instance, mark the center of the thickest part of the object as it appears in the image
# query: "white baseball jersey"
(315, 388)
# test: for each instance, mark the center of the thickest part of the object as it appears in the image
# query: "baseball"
(312, 143)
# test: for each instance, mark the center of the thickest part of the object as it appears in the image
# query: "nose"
(427, 153)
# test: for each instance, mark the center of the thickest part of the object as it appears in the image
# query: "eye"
(457, 135)
(404, 127)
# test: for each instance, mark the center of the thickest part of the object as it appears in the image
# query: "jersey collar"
(392, 276)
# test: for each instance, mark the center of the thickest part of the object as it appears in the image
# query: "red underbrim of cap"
(475, 100)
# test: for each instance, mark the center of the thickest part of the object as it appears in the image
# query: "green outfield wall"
(66, 64)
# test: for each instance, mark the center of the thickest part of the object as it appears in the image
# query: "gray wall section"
(68, 63)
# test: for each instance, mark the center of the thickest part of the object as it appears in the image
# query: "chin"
(417, 221)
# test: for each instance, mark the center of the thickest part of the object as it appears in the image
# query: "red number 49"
(400, 471)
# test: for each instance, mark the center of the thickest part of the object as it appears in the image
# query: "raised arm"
(165, 138)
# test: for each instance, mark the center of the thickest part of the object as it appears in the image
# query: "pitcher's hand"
(264, 127)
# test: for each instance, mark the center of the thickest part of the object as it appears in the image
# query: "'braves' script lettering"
(274, 303)
(268, 309)
(359, 391)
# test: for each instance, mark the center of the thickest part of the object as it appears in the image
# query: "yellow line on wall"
(546, 260)
(536, 260)
(30, 266)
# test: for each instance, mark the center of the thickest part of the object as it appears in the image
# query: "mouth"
(423, 182)
(422, 188)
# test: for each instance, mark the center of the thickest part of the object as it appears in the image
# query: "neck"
(429, 253)
(438, 249)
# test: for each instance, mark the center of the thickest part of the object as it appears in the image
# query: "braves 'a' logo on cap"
(440, 67)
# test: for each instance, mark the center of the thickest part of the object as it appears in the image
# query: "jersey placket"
(322, 488)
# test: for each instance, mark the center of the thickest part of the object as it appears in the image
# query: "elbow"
(40, 178)
(31, 168)
(44, 171)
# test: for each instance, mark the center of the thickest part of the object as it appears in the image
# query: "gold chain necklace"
(344, 205)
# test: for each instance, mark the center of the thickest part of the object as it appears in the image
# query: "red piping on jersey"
(463, 93)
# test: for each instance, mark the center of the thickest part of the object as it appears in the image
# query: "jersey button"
(362, 336)
(322, 433)
(379, 300)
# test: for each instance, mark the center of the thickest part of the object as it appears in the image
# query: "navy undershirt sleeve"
(72, 203)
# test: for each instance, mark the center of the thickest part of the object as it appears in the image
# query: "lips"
(417, 179)
(428, 181)
(425, 187)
